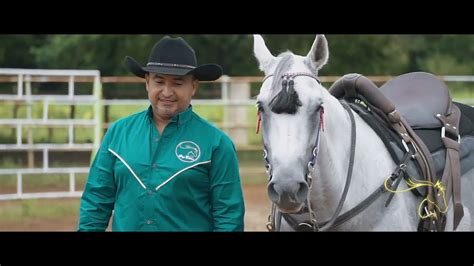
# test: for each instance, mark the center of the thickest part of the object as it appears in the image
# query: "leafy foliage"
(365, 54)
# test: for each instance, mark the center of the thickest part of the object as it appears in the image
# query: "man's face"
(170, 95)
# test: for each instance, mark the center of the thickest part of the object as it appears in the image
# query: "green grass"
(42, 134)
(49, 182)
(211, 113)
(18, 211)
(40, 183)
(55, 111)
(7, 184)
(462, 91)
(119, 111)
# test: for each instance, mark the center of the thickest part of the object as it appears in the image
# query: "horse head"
(316, 147)
(290, 104)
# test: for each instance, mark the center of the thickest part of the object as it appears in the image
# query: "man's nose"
(167, 90)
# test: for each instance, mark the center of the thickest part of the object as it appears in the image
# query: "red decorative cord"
(259, 120)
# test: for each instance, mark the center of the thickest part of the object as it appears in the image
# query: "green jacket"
(187, 179)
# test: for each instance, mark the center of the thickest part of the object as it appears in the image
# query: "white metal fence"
(235, 97)
(24, 80)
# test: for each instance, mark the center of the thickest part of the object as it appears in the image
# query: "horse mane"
(285, 100)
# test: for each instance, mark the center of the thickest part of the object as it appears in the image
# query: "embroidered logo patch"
(188, 151)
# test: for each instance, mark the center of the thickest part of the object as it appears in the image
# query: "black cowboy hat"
(174, 56)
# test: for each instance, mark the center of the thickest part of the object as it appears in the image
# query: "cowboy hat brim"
(207, 72)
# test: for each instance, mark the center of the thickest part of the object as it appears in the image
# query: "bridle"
(287, 81)
(291, 76)
(312, 225)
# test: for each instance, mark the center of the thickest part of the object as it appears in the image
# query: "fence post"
(98, 115)
(29, 116)
(238, 91)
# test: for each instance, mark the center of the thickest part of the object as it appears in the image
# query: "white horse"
(290, 102)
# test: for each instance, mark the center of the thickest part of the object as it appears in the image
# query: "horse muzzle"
(288, 196)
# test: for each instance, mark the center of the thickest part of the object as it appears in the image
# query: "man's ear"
(195, 85)
(147, 79)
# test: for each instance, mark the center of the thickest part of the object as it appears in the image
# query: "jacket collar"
(179, 118)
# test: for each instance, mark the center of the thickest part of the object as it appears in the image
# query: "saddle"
(419, 97)
(406, 104)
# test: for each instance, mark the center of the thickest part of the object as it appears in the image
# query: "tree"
(16, 50)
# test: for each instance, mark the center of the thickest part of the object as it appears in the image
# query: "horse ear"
(319, 53)
(263, 55)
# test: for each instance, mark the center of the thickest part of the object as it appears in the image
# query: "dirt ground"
(257, 207)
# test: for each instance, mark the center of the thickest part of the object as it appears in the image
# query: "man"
(165, 169)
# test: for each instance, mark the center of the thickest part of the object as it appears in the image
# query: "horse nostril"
(291, 192)
(272, 193)
(302, 191)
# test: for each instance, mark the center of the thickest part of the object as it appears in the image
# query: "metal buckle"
(270, 227)
(305, 227)
(405, 145)
(309, 180)
(315, 151)
(443, 134)
(268, 168)
(309, 177)
(269, 224)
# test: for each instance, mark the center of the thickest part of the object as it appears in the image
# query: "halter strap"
(293, 75)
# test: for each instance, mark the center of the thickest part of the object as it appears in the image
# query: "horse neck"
(334, 154)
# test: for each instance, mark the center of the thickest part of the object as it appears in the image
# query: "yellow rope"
(413, 183)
